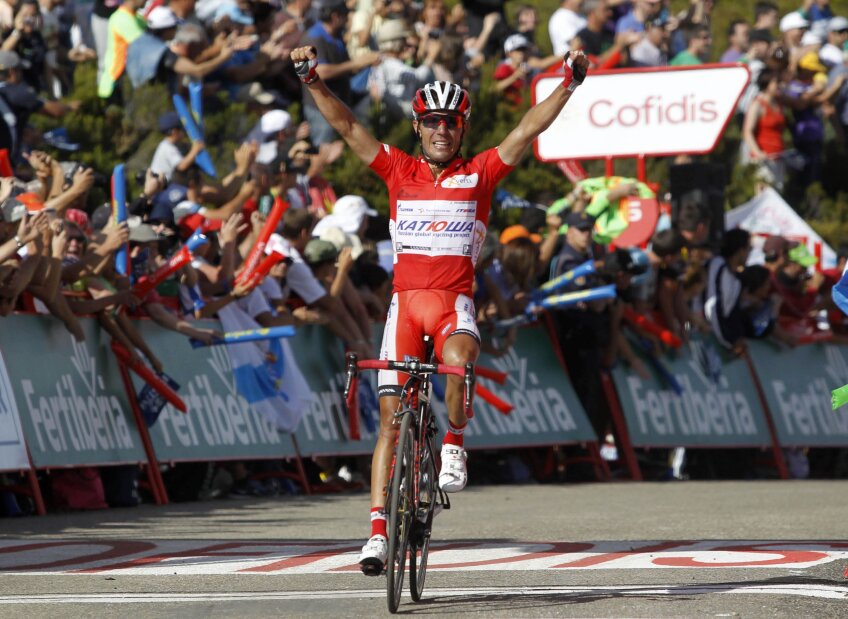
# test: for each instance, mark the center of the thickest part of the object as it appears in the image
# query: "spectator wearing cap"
(831, 53)
(270, 133)
(393, 82)
(295, 234)
(652, 48)
(18, 101)
(792, 28)
(519, 261)
(578, 246)
(168, 155)
(805, 95)
(797, 290)
(164, 53)
(334, 66)
(512, 76)
(350, 213)
(698, 44)
(666, 254)
(125, 26)
(564, 25)
(737, 39)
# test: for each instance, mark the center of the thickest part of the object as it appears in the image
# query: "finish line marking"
(809, 591)
(204, 557)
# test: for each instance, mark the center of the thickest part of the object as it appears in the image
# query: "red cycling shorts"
(414, 314)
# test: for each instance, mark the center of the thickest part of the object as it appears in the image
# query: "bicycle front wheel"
(401, 507)
(420, 544)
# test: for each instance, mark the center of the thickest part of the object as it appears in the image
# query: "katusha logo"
(425, 225)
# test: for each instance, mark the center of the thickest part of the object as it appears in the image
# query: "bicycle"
(414, 495)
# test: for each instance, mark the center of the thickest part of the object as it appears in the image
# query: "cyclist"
(439, 210)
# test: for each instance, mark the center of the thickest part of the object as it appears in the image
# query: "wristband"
(306, 71)
(574, 76)
(19, 242)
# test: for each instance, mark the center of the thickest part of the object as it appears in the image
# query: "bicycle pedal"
(372, 569)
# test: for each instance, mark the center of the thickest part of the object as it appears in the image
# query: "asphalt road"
(688, 549)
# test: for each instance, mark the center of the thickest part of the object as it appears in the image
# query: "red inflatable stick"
(491, 398)
(264, 268)
(181, 258)
(147, 375)
(812, 338)
(643, 322)
(498, 377)
(5, 164)
(258, 251)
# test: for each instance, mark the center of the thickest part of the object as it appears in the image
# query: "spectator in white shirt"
(168, 156)
(564, 24)
(393, 82)
(831, 53)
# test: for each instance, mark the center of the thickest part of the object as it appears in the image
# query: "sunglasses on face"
(432, 121)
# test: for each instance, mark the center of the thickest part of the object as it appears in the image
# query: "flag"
(266, 373)
(840, 293)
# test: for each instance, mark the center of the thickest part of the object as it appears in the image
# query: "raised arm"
(541, 115)
(338, 115)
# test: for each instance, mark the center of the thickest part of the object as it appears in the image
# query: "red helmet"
(441, 97)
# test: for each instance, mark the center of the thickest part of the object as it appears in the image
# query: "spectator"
(666, 247)
(526, 20)
(762, 131)
(832, 54)
(334, 66)
(564, 25)
(168, 155)
(737, 38)
(512, 76)
(27, 41)
(125, 26)
(597, 41)
(270, 134)
(818, 10)
(805, 97)
(698, 43)
(296, 232)
(765, 15)
(393, 82)
(640, 13)
(476, 14)
(759, 44)
(792, 28)
(724, 289)
(652, 48)
(18, 101)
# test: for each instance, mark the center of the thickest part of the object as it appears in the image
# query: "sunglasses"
(432, 121)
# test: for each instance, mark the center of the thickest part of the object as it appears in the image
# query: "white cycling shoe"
(372, 559)
(454, 474)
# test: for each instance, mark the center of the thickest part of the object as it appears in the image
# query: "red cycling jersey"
(438, 226)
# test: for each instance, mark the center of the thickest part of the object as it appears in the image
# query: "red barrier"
(147, 375)
(489, 397)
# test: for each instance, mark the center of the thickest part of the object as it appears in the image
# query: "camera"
(435, 33)
(141, 176)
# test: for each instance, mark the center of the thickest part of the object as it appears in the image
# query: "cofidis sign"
(656, 111)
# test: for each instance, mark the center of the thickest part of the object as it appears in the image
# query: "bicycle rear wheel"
(420, 543)
(401, 506)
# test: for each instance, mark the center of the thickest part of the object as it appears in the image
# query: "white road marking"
(257, 557)
(810, 591)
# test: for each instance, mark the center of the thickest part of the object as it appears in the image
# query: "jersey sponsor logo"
(423, 225)
(435, 227)
(461, 181)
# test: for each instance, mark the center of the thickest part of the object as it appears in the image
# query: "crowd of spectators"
(57, 248)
